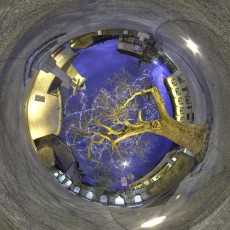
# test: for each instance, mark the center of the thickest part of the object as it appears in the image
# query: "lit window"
(56, 174)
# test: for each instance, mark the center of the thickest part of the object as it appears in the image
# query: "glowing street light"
(125, 163)
(192, 46)
(178, 196)
(153, 222)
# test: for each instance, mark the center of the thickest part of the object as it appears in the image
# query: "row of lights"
(147, 224)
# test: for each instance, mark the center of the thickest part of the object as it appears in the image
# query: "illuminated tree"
(120, 115)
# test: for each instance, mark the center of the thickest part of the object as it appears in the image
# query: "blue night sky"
(98, 63)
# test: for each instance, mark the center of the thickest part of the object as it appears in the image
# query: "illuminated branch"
(140, 115)
(93, 141)
(113, 109)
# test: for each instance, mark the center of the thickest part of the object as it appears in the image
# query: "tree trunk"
(189, 136)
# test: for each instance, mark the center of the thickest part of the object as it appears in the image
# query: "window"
(103, 199)
(174, 82)
(138, 199)
(187, 100)
(89, 195)
(68, 183)
(180, 101)
(180, 80)
(177, 91)
(119, 201)
(40, 98)
(61, 178)
(185, 89)
(56, 174)
(76, 189)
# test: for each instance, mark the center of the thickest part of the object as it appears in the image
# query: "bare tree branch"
(117, 116)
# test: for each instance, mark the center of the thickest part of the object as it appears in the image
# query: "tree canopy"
(108, 121)
(116, 119)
